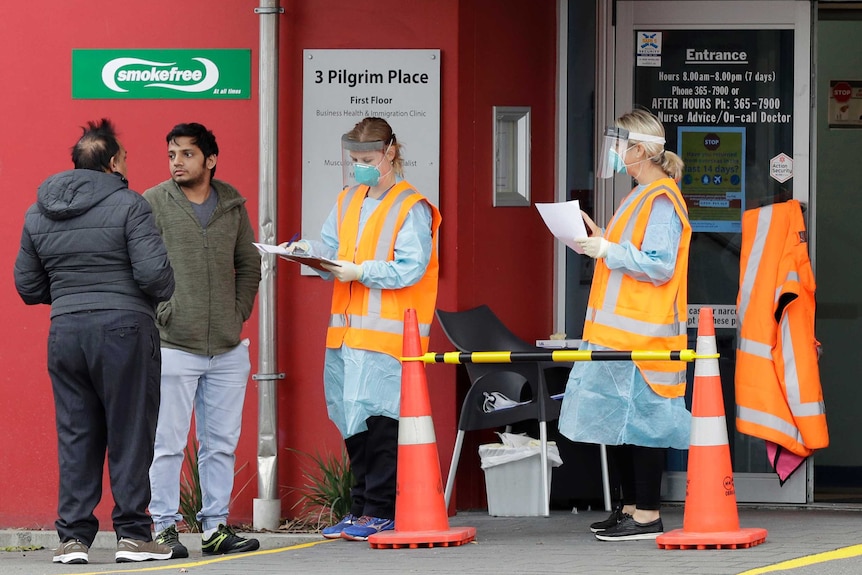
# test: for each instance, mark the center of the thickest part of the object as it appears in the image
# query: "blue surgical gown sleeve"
(656, 260)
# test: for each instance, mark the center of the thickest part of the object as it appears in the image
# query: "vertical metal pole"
(604, 116)
(267, 506)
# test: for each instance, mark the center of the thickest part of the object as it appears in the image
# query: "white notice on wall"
(340, 88)
(724, 316)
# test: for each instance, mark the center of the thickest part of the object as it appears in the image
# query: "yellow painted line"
(843, 553)
(174, 566)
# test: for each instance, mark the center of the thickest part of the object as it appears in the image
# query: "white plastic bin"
(513, 475)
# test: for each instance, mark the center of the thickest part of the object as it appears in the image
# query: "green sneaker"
(224, 541)
(169, 537)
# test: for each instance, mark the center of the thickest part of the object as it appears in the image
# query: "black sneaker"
(615, 517)
(169, 537)
(630, 530)
(224, 541)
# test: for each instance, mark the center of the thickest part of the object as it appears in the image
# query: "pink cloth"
(783, 461)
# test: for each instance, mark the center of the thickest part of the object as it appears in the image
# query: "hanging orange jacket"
(626, 314)
(778, 393)
(372, 318)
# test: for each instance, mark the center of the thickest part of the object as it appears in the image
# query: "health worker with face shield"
(382, 234)
(638, 301)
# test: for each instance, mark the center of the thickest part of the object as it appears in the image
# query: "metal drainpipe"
(267, 506)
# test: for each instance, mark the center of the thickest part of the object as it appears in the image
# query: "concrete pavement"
(810, 540)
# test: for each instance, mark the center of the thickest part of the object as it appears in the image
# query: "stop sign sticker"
(841, 91)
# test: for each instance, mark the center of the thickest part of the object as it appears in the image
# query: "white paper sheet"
(565, 222)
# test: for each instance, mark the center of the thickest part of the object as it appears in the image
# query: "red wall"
(41, 122)
(505, 255)
(494, 52)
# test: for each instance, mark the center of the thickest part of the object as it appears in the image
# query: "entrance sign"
(161, 74)
(339, 89)
(735, 84)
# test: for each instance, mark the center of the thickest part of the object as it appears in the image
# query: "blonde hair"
(640, 121)
(378, 130)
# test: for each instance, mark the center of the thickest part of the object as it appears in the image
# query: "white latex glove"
(594, 247)
(300, 246)
(345, 271)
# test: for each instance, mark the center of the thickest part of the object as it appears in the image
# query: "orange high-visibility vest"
(371, 318)
(624, 313)
(778, 393)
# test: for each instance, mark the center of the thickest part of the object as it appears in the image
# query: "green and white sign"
(161, 74)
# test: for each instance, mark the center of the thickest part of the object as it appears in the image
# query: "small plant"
(326, 493)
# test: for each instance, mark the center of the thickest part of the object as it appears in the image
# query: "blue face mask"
(616, 161)
(365, 174)
(369, 175)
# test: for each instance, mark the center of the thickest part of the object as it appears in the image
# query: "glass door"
(730, 81)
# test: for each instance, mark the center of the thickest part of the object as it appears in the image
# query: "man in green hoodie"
(205, 365)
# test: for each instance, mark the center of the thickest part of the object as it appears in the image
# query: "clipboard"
(300, 258)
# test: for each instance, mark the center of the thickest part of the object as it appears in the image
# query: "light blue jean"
(215, 387)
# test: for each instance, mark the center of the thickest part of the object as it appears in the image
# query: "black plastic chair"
(479, 329)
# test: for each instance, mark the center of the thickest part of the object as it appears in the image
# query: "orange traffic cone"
(421, 519)
(711, 520)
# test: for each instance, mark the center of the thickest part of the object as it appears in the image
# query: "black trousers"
(637, 471)
(105, 372)
(374, 461)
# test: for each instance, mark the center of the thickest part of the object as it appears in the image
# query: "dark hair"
(201, 137)
(97, 145)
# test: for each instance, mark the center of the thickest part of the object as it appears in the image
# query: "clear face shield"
(614, 148)
(363, 162)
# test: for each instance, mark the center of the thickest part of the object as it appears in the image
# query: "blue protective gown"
(358, 383)
(609, 402)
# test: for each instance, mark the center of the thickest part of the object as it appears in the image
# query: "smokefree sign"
(161, 74)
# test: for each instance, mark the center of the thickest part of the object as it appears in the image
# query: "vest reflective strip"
(388, 228)
(764, 218)
(381, 252)
(615, 278)
(664, 377)
(769, 421)
(348, 197)
(791, 377)
(680, 205)
(708, 431)
(614, 285)
(755, 348)
(393, 326)
(416, 430)
(635, 326)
